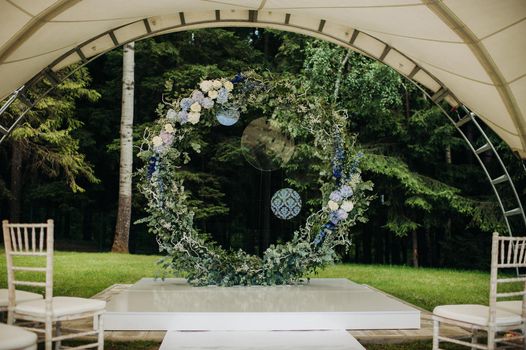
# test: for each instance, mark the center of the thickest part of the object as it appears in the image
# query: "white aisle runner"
(260, 340)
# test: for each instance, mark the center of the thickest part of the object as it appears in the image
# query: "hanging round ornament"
(227, 117)
(286, 204)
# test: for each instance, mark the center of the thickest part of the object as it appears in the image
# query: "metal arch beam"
(481, 54)
(34, 25)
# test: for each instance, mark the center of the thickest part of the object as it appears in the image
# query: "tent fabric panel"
(485, 17)
(34, 7)
(96, 10)
(483, 99)
(399, 62)
(161, 22)
(192, 17)
(379, 20)
(12, 20)
(508, 49)
(70, 59)
(518, 88)
(130, 31)
(453, 58)
(12, 71)
(272, 16)
(54, 36)
(371, 45)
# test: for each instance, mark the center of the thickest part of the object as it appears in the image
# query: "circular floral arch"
(168, 145)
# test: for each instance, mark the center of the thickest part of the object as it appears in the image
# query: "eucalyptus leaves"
(167, 147)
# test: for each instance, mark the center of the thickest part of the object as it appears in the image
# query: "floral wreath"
(169, 218)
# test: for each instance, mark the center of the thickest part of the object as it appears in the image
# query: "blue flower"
(238, 78)
(335, 196)
(186, 103)
(341, 214)
(182, 117)
(334, 218)
(346, 191)
(152, 166)
(197, 96)
(207, 103)
(223, 96)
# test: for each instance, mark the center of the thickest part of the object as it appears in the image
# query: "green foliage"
(47, 136)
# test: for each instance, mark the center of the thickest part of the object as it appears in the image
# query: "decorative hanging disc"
(227, 117)
(286, 203)
(264, 146)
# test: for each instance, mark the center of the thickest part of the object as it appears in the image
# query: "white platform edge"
(241, 340)
(159, 321)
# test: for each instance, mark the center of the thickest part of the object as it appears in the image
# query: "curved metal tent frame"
(235, 15)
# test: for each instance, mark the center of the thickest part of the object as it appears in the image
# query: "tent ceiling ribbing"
(473, 49)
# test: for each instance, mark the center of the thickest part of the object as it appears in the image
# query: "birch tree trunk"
(15, 202)
(122, 229)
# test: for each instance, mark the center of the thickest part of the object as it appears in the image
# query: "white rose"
(157, 141)
(169, 128)
(206, 85)
(195, 107)
(213, 94)
(347, 206)
(333, 206)
(228, 85)
(171, 114)
(193, 117)
(216, 84)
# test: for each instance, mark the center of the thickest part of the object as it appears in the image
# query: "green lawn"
(86, 274)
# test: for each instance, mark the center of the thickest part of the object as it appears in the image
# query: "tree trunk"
(339, 76)
(122, 229)
(414, 235)
(15, 202)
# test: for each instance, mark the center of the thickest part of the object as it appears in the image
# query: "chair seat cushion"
(20, 295)
(12, 337)
(476, 314)
(61, 306)
(514, 306)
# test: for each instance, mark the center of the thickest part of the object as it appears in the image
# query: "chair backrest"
(29, 240)
(506, 253)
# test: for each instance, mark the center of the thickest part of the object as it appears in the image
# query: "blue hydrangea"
(341, 214)
(335, 196)
(223, 96)
(186, 103)
(207, 103)
(197, 96)
(334, 218)
(182, 117)
(346, 191)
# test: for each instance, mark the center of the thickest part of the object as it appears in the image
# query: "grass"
(86, 274)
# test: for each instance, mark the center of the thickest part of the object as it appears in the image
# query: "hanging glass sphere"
(265, 146)
(227, 117)
(286, 203)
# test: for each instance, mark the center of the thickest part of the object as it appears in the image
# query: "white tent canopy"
(466, 51)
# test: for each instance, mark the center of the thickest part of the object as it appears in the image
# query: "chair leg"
(100, 327)
(49, 333)
(10, 318)
(491, 339)
(58, 333)
(436, 333)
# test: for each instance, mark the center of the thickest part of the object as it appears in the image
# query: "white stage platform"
(262, 340)
(322, 304)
